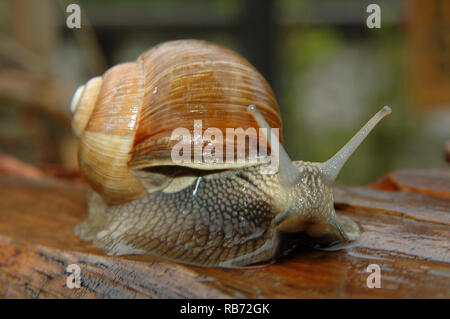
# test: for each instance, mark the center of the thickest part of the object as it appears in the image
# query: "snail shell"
(126, 117)
(202, 213)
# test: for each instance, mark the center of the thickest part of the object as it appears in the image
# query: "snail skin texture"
(202, 213)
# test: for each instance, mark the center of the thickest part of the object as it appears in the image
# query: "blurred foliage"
(332, 74)
(400, 141)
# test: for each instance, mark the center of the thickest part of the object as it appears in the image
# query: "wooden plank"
(433, 182)
(37, 244)
(35, 271)
(416, 206)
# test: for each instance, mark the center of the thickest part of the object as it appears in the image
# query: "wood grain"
(405, 231)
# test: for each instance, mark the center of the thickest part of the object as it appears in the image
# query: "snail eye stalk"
(332, 167)
(289, 174)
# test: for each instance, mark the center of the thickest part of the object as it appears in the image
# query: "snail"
(205, 213)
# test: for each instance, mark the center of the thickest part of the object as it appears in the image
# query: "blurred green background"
(329, 71)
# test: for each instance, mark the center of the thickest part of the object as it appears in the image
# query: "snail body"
(215, 213)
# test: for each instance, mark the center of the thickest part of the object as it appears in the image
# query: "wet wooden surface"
(404, 219)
